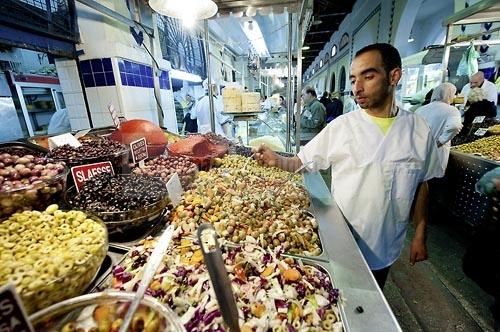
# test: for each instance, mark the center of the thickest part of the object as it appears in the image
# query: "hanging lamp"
(185, 9)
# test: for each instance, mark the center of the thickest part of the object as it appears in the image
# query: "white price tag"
(82, 133)
(63, 139)
(114, 115)
(481, 131)
(478, 119)
(174, 189)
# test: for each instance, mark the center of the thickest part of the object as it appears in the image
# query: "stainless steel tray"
(117, 256)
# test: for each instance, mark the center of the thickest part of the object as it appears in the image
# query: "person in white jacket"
(478, 81)
(444, 120)
(201, 112)
(381, 157)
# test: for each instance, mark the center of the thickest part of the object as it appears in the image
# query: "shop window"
(342, 79)
(332, 86)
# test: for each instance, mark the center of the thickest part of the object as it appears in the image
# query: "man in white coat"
(201, 112)
(477, 81)
(381, 158)
(444, 120)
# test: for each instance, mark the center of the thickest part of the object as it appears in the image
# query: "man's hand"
(265, 156)
(418, 251)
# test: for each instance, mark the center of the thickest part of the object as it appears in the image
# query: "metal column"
(288, 144)
(446, 54)
(209, 78)
(299, 86)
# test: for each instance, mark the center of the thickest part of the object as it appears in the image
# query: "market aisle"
(436, 295)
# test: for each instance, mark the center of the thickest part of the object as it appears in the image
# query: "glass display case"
(39, 98)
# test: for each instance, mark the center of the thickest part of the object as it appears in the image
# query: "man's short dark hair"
(326, 94)
(389, 54)
(310, 90)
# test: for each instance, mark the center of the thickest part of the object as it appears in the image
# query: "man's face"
(306, 97)
(369, 82)
(476, 82)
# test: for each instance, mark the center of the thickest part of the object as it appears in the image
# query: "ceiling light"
(411, 39)
(184, 76)
(305, 48)
(254, 35)
(194, 9)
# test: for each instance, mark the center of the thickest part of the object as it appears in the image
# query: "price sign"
(481, 131)
(84, 172)
(478, 119)
(82, 133)
(114, 115)
(139, 150)
(63, 139)
(13, 317)
(174, 189)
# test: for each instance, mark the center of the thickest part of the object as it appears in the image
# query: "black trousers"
(381, 276)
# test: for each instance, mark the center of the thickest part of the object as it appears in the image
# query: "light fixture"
(410, 37)
(186, 10)
(184, 76)
(254, 35)
(305, 48)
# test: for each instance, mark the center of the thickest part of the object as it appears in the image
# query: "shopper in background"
(325, 99)
(445, 120)
(312, 119)
(334, 107)
(201, 112)
(478, 81)
(59, 122)
(349, 102)
(381, 158)
(190, 125)
(478, 106)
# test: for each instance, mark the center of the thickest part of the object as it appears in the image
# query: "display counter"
(364, 303)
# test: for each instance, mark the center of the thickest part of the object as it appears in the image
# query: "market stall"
(280, 233)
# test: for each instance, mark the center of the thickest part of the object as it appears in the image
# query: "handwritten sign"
(114, 115)
(478, 119)
(481, 131)
(13, 317)
(63, 139)
(84, 172)
(174, 189)
(139, 150)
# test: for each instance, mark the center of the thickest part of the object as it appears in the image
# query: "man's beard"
(378, 99)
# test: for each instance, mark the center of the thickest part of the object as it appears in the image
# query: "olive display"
(244, 207)
(487, 147)
(252, 167)
(28, 182)
(50, 255)
(94, 149)
(114, 193)
(165, 167)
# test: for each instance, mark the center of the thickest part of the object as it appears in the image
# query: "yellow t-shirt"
(384, 123)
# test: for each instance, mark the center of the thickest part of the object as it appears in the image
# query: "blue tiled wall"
(135, 74)
(164, 80)
(97, 72)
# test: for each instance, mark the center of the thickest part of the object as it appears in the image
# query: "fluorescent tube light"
(253, 33)
(184, 76)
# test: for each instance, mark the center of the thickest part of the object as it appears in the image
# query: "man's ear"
(395, 76)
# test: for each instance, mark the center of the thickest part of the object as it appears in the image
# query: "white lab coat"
(490, 91)
(201, 112)
(445, 122)
(375, 177)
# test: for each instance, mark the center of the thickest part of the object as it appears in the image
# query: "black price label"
(13, 317)
(139, 150)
